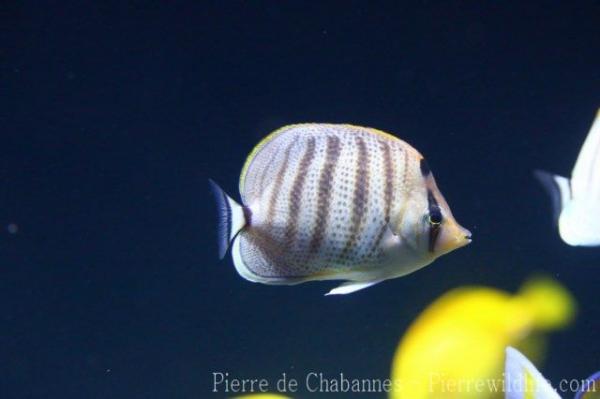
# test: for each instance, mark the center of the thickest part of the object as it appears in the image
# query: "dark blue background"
(113, 116)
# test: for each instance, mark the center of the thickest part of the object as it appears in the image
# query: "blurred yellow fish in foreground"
(263, 396)
(455, 348)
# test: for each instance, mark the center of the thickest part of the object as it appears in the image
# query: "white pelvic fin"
(522, 380)
(231, 218)
(558, 188)
(585, 177)
(351, 286)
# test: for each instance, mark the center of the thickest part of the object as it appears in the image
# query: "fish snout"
(452, 236)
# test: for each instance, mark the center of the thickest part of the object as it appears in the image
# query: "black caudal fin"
(231, 218)
(559, 189)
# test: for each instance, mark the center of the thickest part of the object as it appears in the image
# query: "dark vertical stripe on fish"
(260, 239)
(405, 174)
(360, 196)
(389, 177)
(435, 220)
(425, 171)
(388, 191)
(274, 264)
(277, 184)
(295, 197)
(332, 154)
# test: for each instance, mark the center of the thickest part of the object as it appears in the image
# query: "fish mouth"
(452, 237)
(467, 236)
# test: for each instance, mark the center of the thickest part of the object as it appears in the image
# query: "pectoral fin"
(351, 286)
(391, 237)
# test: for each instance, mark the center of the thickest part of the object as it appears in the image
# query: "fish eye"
(435, 216)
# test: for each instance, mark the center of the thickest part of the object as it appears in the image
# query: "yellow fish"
(263, 396)
(455, 348)
(335, 202)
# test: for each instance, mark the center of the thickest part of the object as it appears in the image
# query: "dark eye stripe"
(425, 171)
(435, 217)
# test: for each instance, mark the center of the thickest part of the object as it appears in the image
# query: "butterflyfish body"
(576, 201)
(335, 202)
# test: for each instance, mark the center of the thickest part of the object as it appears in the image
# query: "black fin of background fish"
(231, 218)
(558, 188)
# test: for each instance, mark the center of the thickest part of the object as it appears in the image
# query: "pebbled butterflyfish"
(335, 202)
(576, 201)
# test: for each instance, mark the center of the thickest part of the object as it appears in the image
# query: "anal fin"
(352, 286)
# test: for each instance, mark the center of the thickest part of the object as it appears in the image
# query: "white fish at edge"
(522, 380)
(335, 202)
(576, 201)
